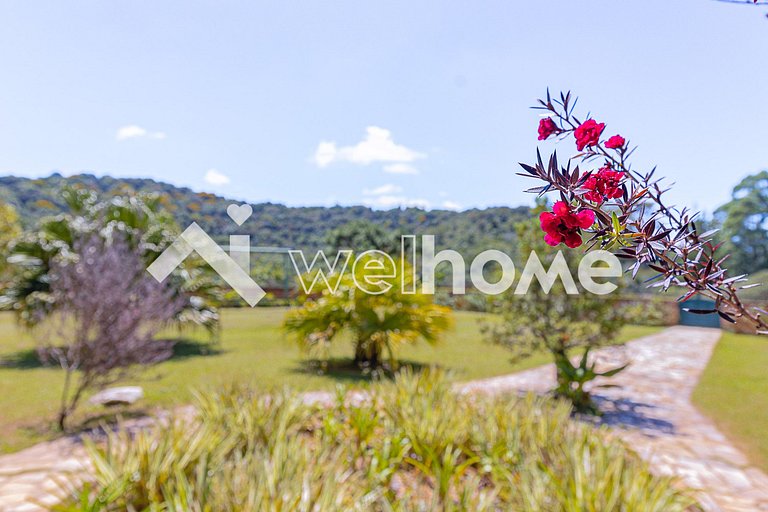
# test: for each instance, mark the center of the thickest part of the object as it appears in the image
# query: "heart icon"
(239, 213)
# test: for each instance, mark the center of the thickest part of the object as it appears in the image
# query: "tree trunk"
(367, 354)
(563, 382)
(69, 405)
(64, 407)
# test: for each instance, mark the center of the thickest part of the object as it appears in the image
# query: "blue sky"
(380, 103)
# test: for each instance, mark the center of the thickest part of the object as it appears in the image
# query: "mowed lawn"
(733, 391)
(253, 349)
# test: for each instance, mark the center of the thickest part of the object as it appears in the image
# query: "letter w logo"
(194, 239)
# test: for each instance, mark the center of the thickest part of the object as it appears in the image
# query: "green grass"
(253, 350)
(733, 391)
(758, 293)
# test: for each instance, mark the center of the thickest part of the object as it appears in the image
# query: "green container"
(697, 320)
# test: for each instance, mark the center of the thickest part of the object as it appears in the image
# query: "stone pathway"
(651, 411)
(35, 479)
(39, 477)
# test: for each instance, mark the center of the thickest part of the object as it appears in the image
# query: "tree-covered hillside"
(469, 231)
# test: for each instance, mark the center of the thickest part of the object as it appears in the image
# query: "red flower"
(546, 128)
(562, 225)
(606, 184)
(588, 133)
(614, 142)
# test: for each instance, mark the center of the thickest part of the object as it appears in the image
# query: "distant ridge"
(469, 231)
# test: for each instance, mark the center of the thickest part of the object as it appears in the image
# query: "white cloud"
(214, 177)
(135, 132)
(390, 196)
(325, 154)
(387, 189)
(390, 201)
(400, 169)
(451, 205)
(377, 146)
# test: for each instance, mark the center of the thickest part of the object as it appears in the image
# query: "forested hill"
(469, 231)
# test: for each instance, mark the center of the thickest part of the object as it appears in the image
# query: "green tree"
(557, 322)
(744, 224)
(378, 323)
(363, 235)
(138, 220)
(9, 230)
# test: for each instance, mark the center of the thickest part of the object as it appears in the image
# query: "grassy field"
(253, 349)
(734, 392)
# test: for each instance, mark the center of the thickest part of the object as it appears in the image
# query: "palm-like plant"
(138, 220)
(378, 323)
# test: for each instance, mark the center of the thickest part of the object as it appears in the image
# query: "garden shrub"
(649, 310)
(409, 445)
(557, 321)
(379, 323)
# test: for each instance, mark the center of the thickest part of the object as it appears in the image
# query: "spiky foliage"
(411, 445)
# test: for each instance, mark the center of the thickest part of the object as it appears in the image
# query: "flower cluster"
(587, 134)
(563, 225)
(604, 185)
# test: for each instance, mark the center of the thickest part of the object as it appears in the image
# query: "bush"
(412, 445)
(556, 321)
(470, 301)
(109, 311)
(648, 310)
(379, 323)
